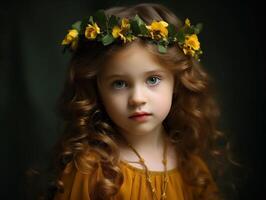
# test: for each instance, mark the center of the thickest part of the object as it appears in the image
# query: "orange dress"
(134, 187)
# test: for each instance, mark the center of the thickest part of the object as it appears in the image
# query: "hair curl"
(89, 132)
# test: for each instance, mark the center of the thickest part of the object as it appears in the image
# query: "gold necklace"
(148, 176)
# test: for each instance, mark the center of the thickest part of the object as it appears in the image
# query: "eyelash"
(152, 85)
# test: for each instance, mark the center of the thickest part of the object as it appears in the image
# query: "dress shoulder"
(77, 182)
(209, 190)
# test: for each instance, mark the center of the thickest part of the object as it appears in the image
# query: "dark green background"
(32, 70)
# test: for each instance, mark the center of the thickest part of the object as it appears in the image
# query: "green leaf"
(84, 23)
(107, 39)
(190, 30)
(171, 30)
(180, 37)
(198, 28)
(139, 20)
(91, 20)
(138, 26)
(143, 29)
(100, 19)
(113, 21)
(161, 48)
(77, 26)
(134, 27)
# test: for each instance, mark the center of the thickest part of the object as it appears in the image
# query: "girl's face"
(133, 82)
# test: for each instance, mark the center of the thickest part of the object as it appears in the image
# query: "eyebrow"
(123, 75)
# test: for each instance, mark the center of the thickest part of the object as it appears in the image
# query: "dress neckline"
(170, 171)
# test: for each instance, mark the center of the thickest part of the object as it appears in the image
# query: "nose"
(137, 97)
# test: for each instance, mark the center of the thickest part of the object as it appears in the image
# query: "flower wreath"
(108, 29)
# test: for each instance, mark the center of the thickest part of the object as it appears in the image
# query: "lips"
(139, 114)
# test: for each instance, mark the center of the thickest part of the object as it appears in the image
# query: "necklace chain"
(148, 173)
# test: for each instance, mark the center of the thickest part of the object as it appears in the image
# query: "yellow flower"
(158, 30)
(92, 31)
(71, 38)
(130, 38)
(191, 45)
(123, 38)
(188, 51)
(122, 30)
(192, 42)
(125, 25)
(187, 22)
(116, 31)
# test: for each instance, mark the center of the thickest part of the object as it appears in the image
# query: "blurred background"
(33, 67)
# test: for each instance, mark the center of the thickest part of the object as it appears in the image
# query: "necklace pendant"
(163, 196)
(148, 177)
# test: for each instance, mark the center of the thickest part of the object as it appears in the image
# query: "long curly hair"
(89, 136)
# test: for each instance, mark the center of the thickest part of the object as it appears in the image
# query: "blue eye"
(153, 80)
(118, 84)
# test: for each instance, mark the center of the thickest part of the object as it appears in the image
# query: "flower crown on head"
(108, 29)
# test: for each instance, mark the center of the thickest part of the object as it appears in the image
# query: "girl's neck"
(147, 142)
(151, 148)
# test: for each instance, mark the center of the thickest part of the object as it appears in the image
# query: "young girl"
(140, 119)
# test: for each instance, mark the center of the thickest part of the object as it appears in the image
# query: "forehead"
(134, 59)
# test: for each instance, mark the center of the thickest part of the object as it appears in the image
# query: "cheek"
(113, 104)
(163, 106)
(162, 102)
(115, 109)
